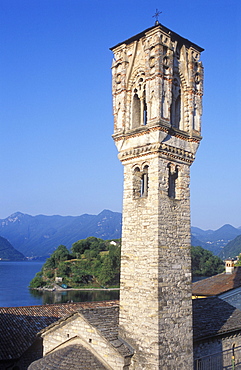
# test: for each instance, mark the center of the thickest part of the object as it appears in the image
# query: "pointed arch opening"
(140, 182)
(139, 105)
(176, 113)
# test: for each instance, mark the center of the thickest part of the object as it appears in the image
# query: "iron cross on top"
(156, 15)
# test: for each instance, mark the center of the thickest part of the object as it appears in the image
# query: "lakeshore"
(58, 288)
(15, 291)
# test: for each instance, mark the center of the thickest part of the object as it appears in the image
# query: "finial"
(156, 15)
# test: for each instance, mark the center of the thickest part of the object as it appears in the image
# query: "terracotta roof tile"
(217, 284)
(20, 325)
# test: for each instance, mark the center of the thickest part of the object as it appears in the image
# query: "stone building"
(157, 102)
(20, 345)
(216, 334)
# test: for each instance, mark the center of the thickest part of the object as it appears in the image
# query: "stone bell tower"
(157, 98)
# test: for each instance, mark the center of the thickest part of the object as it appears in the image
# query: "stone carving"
(157, 92)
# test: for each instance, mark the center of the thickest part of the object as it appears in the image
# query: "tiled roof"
(105, 320)
(212, 316)
(108, 327)
(20, 325)
(217, 284)
(72, 357)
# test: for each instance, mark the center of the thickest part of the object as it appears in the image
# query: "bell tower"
(157, 102)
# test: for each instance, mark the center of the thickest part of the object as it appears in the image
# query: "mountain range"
(216, 240)
(38, 236)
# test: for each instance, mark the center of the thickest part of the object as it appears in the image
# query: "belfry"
(157, 87)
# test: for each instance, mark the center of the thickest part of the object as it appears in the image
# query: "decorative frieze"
(164, 149)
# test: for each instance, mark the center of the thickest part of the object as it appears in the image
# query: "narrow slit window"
(144, 182)
(144, 108)
(136, 113)
(137, 183)
(145, 114)
(173, 175)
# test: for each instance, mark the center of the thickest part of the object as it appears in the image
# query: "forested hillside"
(204, 263)
(94, 262)
(233, 248)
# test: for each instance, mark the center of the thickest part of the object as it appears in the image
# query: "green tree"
(115, 256)
(107, 271)
(90, 243)
(37, 281)
(238, 263)
(204, 263)
(60, 254)
(63, 269)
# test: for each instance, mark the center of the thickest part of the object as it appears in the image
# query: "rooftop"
(105, 319)
(174, 36)
(20, 325)
(76, 356)
(212, 316)
(217, 284)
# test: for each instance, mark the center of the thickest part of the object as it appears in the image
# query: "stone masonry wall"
(175, 306)
(139, 319)
(79, 330)
(155, 298)
(217, 345)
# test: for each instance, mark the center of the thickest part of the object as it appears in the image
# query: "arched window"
(177, 117)
(140, 182)
(176, 104)
(139, 106)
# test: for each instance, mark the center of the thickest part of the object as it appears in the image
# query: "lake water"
(14, 291)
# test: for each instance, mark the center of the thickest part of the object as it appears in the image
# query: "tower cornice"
(168, 151)
(143, 130)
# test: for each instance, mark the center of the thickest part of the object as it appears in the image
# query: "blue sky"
(57, 154)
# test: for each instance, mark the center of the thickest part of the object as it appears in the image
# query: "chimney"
(229, 265)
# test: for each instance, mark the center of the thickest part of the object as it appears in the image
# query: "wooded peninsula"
(95, 263)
